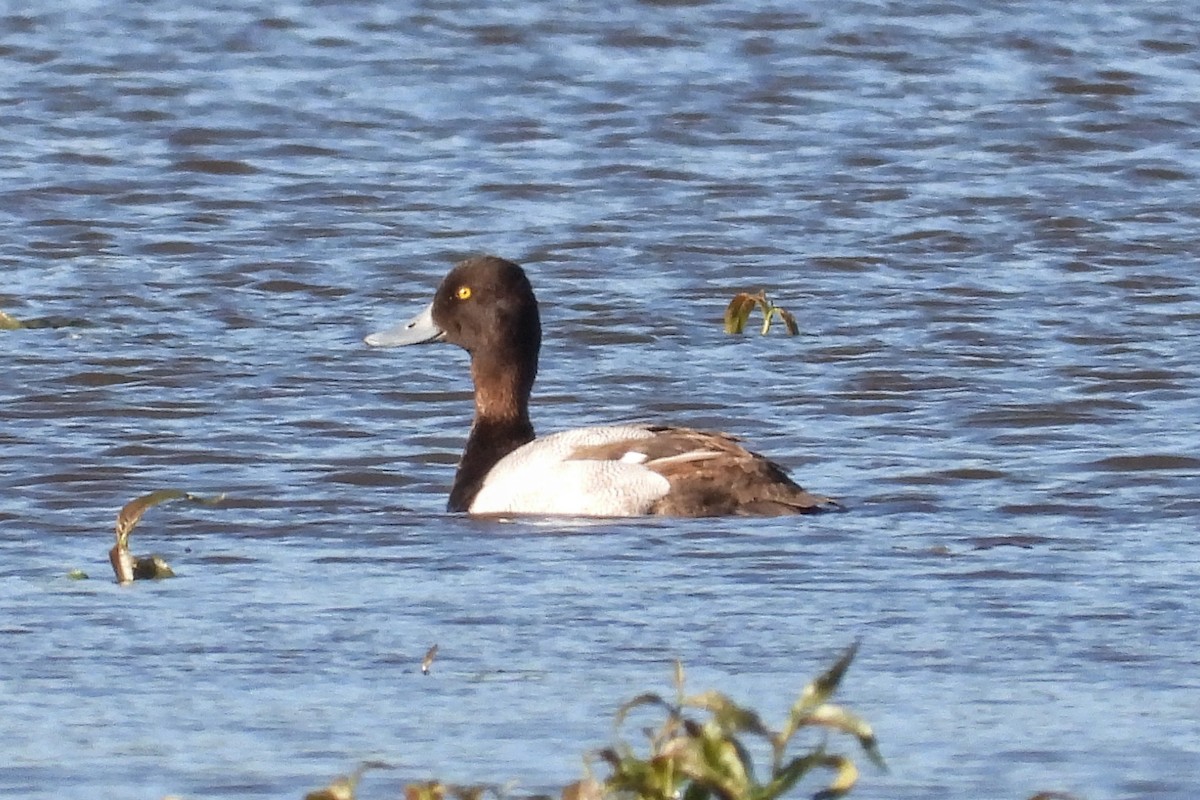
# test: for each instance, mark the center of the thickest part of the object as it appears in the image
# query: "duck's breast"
(547, 476)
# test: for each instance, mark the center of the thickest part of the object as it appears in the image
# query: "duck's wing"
(630, 470)
(711, 474)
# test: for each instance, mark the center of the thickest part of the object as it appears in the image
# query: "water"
(984, 217)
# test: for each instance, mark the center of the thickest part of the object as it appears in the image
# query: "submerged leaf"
(9, 322)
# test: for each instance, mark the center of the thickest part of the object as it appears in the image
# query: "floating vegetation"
(10, 323)
(737, 313)
(427, 661)
(343, 787)
(128, 567)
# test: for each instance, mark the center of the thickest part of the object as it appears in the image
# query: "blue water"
(983, 216)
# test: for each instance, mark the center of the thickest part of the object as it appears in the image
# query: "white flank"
(542, 478)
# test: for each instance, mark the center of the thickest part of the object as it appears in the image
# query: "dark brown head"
(484, 304)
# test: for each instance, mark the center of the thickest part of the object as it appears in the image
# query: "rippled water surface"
(984, 216)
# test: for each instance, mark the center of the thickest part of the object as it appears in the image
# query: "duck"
(486, 305)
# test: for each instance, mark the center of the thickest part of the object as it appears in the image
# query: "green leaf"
(788, 775)
(708, 758)
(836, 717)
(728, 714)
(843, 782)
(824, 685)
(815, 694)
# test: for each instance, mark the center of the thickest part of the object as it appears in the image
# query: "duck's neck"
(501, 424)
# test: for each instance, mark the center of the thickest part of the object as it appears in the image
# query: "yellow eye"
(463, 293)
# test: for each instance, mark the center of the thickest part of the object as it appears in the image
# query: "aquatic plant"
(128, 567)
(709, 759)
(737, 313)
(10, 323)
(343, 787)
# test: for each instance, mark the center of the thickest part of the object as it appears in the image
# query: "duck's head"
(484, 305)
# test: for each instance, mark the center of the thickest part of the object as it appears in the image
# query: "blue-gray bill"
(418, 330)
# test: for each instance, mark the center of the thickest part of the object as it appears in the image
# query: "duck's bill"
(418, 330)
